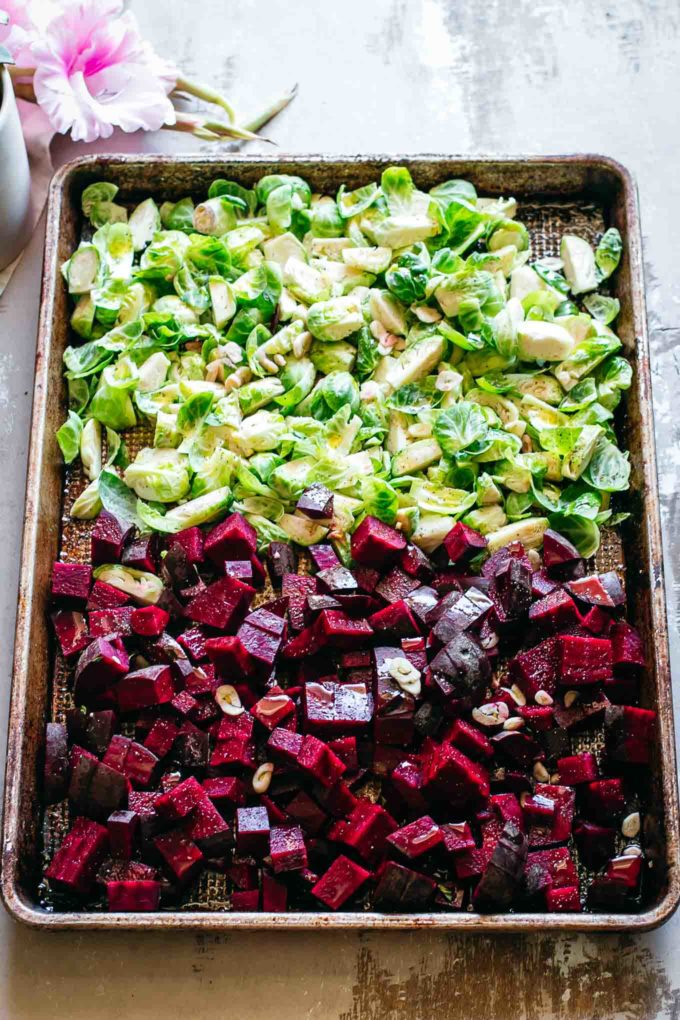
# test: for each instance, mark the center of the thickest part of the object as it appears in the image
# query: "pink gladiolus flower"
(24, 26)
(94, 72)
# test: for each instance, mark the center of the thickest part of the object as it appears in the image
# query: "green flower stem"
(209, 95)
(271, 111)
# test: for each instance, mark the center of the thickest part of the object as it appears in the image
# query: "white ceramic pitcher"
(15, 184)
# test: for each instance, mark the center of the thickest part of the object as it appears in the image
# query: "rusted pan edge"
(20, 830)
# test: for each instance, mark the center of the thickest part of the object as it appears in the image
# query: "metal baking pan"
(583, 193)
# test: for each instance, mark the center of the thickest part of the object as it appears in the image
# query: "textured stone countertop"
(450, 76)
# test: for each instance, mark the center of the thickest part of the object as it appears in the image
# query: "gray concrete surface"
(535, 76)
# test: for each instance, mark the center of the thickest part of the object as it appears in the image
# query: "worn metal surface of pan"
(556, 193)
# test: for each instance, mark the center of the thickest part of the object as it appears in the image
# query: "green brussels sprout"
(335, 319)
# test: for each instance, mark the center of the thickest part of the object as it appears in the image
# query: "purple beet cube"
(396, 585)
(177, 803)
(145, 688)
(223, 604)
(161, 737)
(307, 813)
(273, 708)
(182, 857)
(462, 543)
(416, 563)
(109, 537)
(316, 502)
(628, 655)
(274, 895)
(297, 588)
(232, 539)
(142, 553)
(402, 889)
(407, 781)
(122, 826)
(578, 768)
(133, 896)
(74, 866)
(252, 831)
(208, 829)
(109, 622)
(335, 628)
(457, 837)
(365, 830)
(192, 542)
(417, 837)
(105, 596)
(285, 745)
(536, 669)
(246, 900)
(376, 544)
(56, 765)
(397, 620)
(242, 570)
(450, 775)
(316, 758)
(227, 792)
(324, 556)
(342, 880)
(629, 733)
(557, 550)
(329, 707)
(287, 848)
(71, 581)
(337, 580)
(71, 631)
(99, 667)
(554, 612)
(260, 646)
(281, 560)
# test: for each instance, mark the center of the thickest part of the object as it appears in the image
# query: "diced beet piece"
(324, 557)
(342, 880)
(109, 622)
(376, 544)
(564, 900)
(628, 654)
(285, 745)
(308, 642)
(628, 733)
(287, 848)
(396, 585)
(136, 762)
(316, 502)
(206, 827)
(367, 578)
(417, 837)
(624, 870)
(582, 713)
(252, 831)
(106, 791)
(71, 581)
(421, 602)
(510, 590)
(149, 621)
(416, 563)
(74, 866)
(144, 688)
(599, 590)
(346, 750)
(226, 792)
(605, 799)
(451, 776)
(297, 588)
(192, 542)
(140, 895)
(99, 667)
(122, 827)
(557, 550)
(365, 830)
(515, 550)
(539, 810)
(274, 895)
(223, 604)
(116, 752)
(229, 656)
(329, 707)
(597, 621)
(465, 610)
(595, 843)
(605, 894)
(540, 717)
(335, 628)
(242, 570)
(457, 837)
(536, 669)
(161, 737)
(469, 739)
(307, 813)
(462, 543)
(56, 762)
(105, 596)
(401, 889)
(501, 878)
(555, 612)
(560, 830)
(316, 758)
(177, 803)
(109, 536)
(517, 746)
(315, 604)
(542, 585)
(246, 900)
(71, 630)
(260, 647)
(142, 553)
(281, 560)
(184, 704)
(183, 857)
(337, 580)
(578, 768)
(461, 671)
(232, 539)
(273, 708)
(583, 660)
(407, 781)
(550, 869)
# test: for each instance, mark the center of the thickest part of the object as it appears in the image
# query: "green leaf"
(609, 469)
(380, 499)
(68, 437)
(352, 203)
(116, 497)
(459, 426)
(412, 398)
(608, 253)
(604, 309)
(581, 532)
